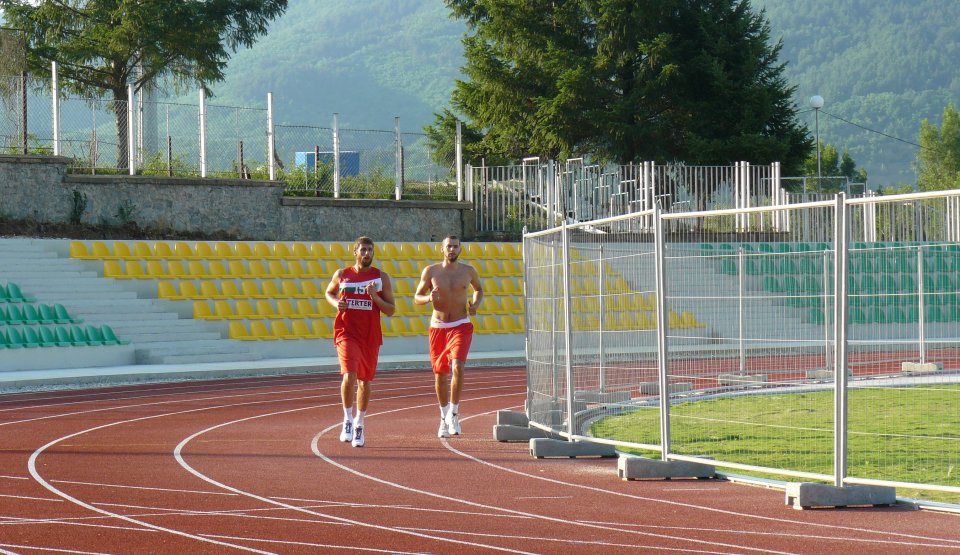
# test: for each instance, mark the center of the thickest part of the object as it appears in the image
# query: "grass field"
(905, 434)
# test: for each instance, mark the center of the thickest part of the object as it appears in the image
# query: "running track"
(254, 466)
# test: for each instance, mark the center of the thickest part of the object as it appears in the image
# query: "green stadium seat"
(64, 337)
(933, 314)
(7, 341)
(79, 333)
(857, 316)
(30, 338)
(61, 315)
(813, 316)
(876, 315)
(15, 295)
(110, 338)
(48, 337)
(728, 266)
(15, 314)
(771, 284)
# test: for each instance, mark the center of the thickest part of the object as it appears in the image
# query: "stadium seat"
(395, 327)
(289, 289)
(388, 251)
(270, 290)
(339, 251)
(110, 338)
(316, 269)
(322, 329)
(295, 269)
(285, 309)
(319, 251)
(65, 338)
(262, 251)
(208, 289)
(257, 269)
(513, 305)
(250, 289)
(29, 338)
(281, 251)
(300, 251)
(428, 251)
(64, 317)
(230, 290)
(14, 314)
(45, 314)
(258, 330)
(203, 251)
(310, 289)
(265, 309)
(15, 295)
(167, 290)
(224, 250)
(280, 330)
(202, 311)
(237, 330)
(244, 309)
(79, 250)
(408, 251)
(243, 251)
(121, 251)
(183, 250)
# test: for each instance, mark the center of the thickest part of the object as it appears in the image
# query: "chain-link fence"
(741, 332)
(161, 137)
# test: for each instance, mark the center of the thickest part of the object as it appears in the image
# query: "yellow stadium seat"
(188, 290)
(306, 308)
(112, 269)
(262, 251)
(285, 309)
(689, 320)
(250, 289)
(183, 250)
(237, 330)
(265, 309)
(310, 289)
(142, 251)
(270, 289)
(289, 289)
(402, 287)
(407, 269)
(488, 324)
(339, 251)
(244, 309)
(79, 250)
(395, 327)
(492, 251)
(175, 269)
(229, 290)
(99, 250)
(257, 269)
(428, 251)
(513, 305)
(315, 269)
(319, 251)
(418, 325)
(202, 311)
(300, 251)
(132, 269)
(408, 251)
(301, 329)
(122, 251)
(324, 309)
(473, 251)
(203, 250)
(280, 330)
(490, 305)
(258, 330)
(281, 250)
(388, 251)
(167, 290)
(512, 323)
(274, 269)
(296, 269)
(236, 269)
(223, 310)
(321, 328)
(155, 269)
(224, 250)
(243, 251)
(195, 269)
(208, 289)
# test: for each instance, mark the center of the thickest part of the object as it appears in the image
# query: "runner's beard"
(366, 262)
(452, 257)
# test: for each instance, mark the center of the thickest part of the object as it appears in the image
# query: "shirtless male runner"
(445, 285)
(360, 293)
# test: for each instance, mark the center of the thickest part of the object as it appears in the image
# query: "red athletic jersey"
(361, 320)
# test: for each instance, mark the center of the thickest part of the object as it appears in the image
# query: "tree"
(101, 46)
(833, 165)
(621, 80)
(938, 160)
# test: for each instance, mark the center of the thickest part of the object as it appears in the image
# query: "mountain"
(881, 65)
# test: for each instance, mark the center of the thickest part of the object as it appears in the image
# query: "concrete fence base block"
(631, 467)
(550, 418)
(542, 448)
(603, 398)
(809, 495)
(653, 388)
(512, 418)
(918, 368)
(508, 433)
(741, 379)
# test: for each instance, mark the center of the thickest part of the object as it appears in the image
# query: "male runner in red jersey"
(445, 285)
(360, 294)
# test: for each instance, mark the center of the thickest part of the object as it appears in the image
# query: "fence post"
(203, 133)
(131, 159)
(921, 308)
(271, 144)
(840, 256)
(567, 347)
(24, 136)
(55, 94)
(662, 327)
(398, 174)
(336, 155)
(458, 146)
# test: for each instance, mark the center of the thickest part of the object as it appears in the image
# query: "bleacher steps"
(156, 331)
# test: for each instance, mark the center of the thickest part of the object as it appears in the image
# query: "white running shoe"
(453, 423)
(358, 437)
(443, 432)
(346, 434)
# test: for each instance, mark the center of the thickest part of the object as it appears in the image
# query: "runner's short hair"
(362, 240)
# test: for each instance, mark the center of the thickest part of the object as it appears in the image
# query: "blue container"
(349, 161)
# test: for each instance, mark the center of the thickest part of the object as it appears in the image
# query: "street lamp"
(817, 102)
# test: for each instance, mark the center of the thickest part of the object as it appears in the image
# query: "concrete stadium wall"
(39, 188)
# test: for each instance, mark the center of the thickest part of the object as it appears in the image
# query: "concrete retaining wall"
(39, 188)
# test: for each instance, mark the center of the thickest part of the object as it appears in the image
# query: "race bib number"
(359, 304)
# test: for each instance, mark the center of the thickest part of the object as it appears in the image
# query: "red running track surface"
(255, 465)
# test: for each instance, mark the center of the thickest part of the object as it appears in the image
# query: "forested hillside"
(881, 64)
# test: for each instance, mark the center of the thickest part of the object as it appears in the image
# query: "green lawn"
(906, 434)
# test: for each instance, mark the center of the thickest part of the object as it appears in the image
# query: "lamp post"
(816, 101)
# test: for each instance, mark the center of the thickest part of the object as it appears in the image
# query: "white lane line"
(53, 549)
(14, 477)
(178, 455)
(690, 505)
(171, 490)
(31, 498)
(68, 521)
(590, 543)
(239, 513)
(397, 507)
(315, 446)
(324, 546)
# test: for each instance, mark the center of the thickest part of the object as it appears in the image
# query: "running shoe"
(453, 423)
(358, 437)
(443, 432)
(346, 434)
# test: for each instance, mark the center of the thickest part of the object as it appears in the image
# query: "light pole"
(817, 102)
